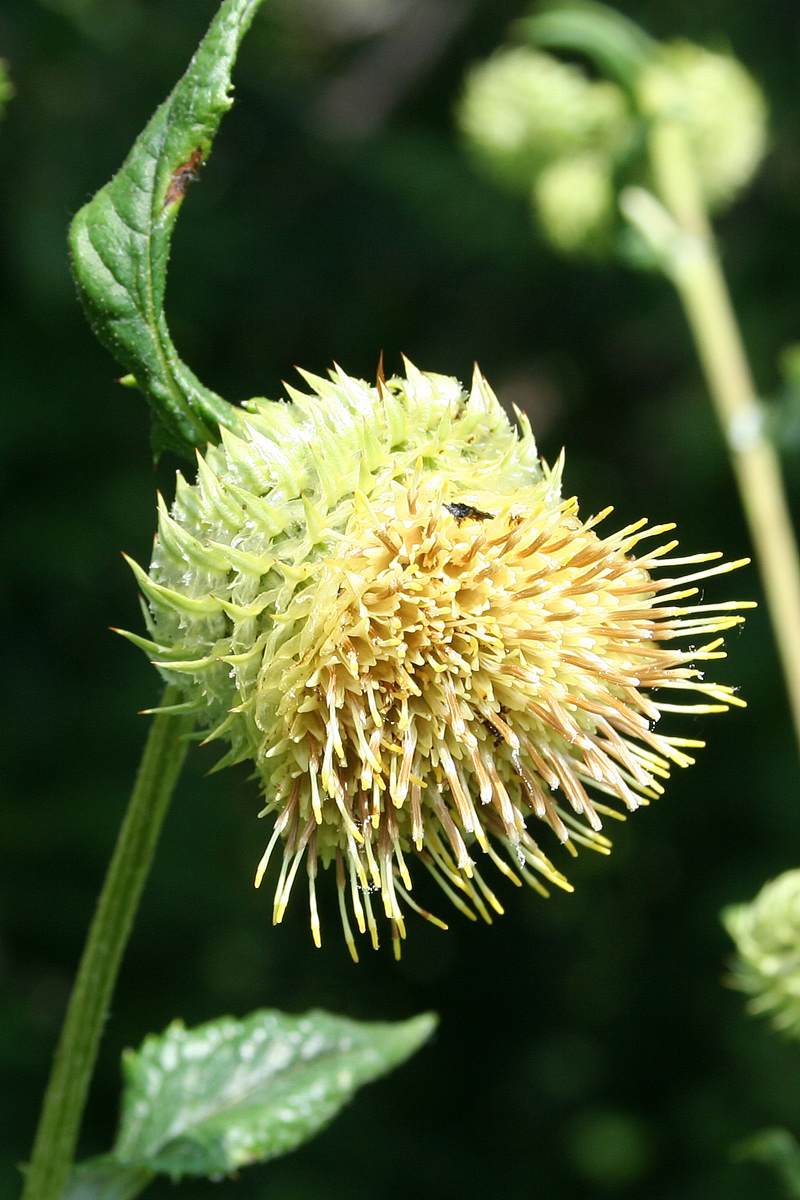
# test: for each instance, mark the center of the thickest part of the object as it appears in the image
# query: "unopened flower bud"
(767, 936)
(6, 86)
(522, 109)
(574, 200)
(378, 596)
(721, 107)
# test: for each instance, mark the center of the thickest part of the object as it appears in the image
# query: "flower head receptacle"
(379, 596)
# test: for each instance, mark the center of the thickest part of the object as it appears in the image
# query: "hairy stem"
(695, 269)
(75, 1055)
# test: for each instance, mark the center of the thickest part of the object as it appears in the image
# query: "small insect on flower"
(379, 597)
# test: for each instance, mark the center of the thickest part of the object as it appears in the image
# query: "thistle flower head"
(379, 597)
(767, 936)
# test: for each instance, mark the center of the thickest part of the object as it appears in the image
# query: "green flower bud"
(767, 937)
(378, 596)
(722, 109)
(574, 200)
(6, 87)
(522, 109)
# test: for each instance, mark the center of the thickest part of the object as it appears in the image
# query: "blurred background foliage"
(588, 1047)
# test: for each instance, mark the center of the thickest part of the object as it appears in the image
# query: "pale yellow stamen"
(467, 661)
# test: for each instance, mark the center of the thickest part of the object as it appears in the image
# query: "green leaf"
(120, 240)
(106, 1179)
(775, 1148)
(616, 45)
(209, 1100)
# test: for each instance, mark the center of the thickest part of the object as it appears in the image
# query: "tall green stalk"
(65, 1098)
(693, 265)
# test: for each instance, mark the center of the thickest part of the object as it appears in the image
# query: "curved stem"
(696, 271)
(64, 1101)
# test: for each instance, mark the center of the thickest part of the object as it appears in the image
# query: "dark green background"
(588, 1047)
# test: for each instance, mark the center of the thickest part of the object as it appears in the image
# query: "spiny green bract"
(273, 500)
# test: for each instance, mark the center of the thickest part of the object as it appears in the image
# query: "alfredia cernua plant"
(379, 596)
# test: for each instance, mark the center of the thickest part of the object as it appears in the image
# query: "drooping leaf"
(120, 240)
(210, 1100)
(614, 43)
(104, 1178)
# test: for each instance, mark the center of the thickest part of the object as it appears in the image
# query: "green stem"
(696, 271)
(64, 1101)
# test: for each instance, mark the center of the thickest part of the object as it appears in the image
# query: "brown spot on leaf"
(182, 176)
